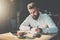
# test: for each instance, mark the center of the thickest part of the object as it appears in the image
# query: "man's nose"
(35, 13)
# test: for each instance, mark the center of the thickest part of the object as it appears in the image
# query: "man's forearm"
(50, 30)
(24, 28)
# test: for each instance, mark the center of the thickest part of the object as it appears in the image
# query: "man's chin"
(35, 18)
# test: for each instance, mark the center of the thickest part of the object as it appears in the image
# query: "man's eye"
(33, 11)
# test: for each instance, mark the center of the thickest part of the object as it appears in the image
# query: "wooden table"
(10, 36)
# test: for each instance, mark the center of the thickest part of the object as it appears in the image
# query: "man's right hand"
(38, 30)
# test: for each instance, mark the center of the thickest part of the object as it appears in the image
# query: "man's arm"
(51, 27)
(25, 25)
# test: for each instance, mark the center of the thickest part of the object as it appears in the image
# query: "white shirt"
(42, 22)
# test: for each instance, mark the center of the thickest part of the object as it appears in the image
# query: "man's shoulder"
(28, 17)
(43, 14)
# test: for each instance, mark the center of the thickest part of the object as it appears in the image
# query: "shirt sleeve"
(25, 25)
(51, 27)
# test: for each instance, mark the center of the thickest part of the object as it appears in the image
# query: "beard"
(35, 17)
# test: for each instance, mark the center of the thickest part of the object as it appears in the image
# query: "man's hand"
(20, 33)
(38, 30)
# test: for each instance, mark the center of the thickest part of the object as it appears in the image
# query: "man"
(41, 23)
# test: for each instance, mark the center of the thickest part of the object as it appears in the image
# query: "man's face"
(34, 13)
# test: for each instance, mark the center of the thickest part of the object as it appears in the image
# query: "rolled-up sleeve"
(51, 27)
